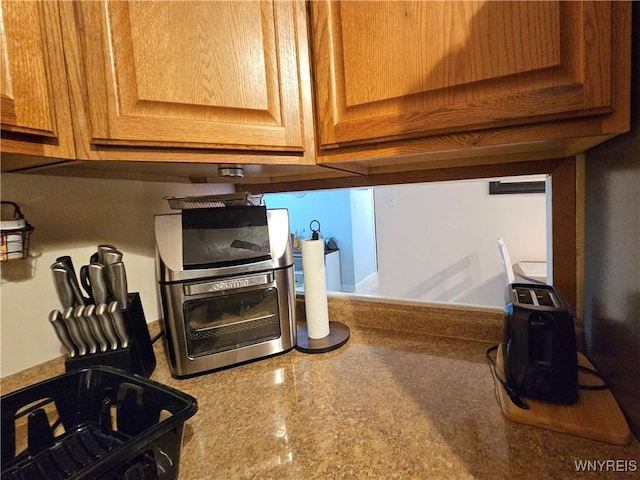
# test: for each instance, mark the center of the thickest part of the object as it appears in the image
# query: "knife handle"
(55, 318)
(119, 323)
(63, 287)
(118, 278)
(84, 281)
(74, 331)
(66, 259)
(98, 282)
(104, 248)
(96, 328)
(107, 325)
(85, 330)
(72, 281)
(111, 256)
(75, 287)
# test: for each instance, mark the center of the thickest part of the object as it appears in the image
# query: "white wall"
(344, 214)
(363, 233)
(437, 241)
(72, 216)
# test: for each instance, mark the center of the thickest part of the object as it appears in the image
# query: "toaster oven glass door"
(224, 322)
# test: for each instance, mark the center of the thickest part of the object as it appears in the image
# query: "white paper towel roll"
(315, 288)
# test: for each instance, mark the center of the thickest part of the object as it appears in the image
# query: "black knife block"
(138, 357)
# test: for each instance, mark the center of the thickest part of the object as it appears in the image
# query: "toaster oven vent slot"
(215, 201)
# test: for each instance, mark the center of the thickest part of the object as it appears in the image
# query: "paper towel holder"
(339, 333)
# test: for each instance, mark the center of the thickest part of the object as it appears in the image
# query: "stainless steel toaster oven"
(227, 286)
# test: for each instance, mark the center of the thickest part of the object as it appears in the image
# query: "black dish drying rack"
(98, 423)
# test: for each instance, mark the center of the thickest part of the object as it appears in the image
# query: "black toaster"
(540, 356)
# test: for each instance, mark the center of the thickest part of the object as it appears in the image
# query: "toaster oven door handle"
(227, 284)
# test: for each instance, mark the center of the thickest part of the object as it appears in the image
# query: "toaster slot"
(535, 296)
(524, 296)
(544, 297)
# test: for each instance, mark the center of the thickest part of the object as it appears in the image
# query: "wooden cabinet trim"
(564, 231)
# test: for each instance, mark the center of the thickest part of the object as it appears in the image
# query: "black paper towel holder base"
(339, 334)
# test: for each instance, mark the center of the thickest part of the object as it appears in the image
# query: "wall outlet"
(391, 200)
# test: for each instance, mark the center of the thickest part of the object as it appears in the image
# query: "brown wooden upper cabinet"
(198, 74)
(388, 71)
(36, 119)
(395, 84)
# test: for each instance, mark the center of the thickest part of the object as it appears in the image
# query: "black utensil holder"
(138, 357)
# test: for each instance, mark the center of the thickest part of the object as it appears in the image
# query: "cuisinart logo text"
(606, 466)
(229, 284)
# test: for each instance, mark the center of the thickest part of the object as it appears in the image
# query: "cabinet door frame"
(107, 129)
(579, 86)
(53, 138)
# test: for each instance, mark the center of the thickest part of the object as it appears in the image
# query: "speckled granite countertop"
(397, 401)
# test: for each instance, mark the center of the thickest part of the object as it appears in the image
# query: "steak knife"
(119, 323)
(85, 330)
(55, 318)
(107, 325)
(96, 327)
(74, 331)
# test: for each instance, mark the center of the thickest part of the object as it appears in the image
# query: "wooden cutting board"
(596, 415)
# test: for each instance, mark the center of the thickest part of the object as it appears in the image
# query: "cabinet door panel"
(195, 74)
(391, 70)
(35, 103)
(25, 80)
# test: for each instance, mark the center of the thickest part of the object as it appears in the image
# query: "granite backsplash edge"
(456, 321)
